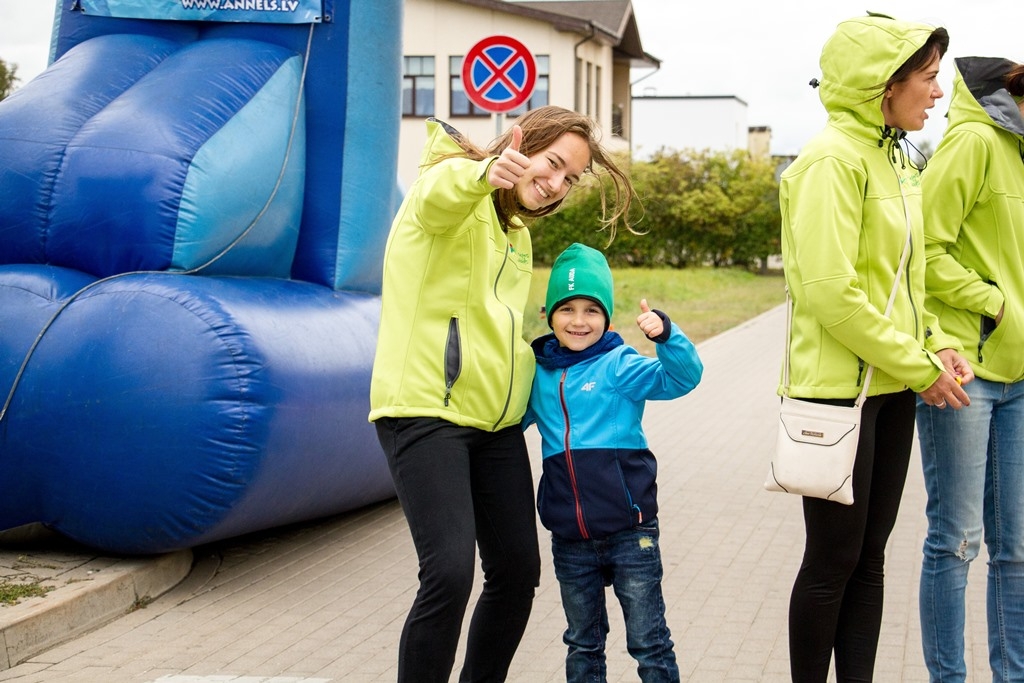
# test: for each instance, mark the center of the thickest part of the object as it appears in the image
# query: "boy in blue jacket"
(598, 494)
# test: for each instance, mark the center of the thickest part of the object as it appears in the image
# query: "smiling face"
(906, 102)
(578, 324)
(553, 171)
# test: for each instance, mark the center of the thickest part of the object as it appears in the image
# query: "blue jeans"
(630, 562)
(974, 473)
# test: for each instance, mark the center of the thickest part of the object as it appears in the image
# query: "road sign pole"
(498, 116)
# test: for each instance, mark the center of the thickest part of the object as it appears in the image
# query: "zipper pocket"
(452, 358)
(987, 327)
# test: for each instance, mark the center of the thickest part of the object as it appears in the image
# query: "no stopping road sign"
(498, 74)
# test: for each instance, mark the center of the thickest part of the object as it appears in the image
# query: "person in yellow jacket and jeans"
(452, 376)
(848, 202)
(974, 459)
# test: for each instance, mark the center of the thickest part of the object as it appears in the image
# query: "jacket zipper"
(982, 337)
(910, 291)
(580, 522)
(985, 331)
(910, 252)
(511, 339)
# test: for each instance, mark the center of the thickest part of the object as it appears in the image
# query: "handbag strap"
(888, 309)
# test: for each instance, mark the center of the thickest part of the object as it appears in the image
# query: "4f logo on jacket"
(588, 386)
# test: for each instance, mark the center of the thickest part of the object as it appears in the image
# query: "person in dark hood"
(974, 459)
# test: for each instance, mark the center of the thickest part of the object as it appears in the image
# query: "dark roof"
(610, 21)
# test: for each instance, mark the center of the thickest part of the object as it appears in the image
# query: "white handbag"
(816, 446)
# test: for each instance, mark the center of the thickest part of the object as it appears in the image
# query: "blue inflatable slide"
(194, 201)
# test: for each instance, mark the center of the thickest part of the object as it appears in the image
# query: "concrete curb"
(107, 591)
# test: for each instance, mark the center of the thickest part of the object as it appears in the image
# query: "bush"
(698, 208)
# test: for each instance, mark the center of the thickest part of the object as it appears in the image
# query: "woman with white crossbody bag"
(817, 442)
(848, 202)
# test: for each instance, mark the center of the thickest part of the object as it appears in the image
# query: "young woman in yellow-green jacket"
(847, 204)
(452, 376)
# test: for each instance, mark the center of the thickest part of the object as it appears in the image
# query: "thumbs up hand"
(509, 167)
(648, 321)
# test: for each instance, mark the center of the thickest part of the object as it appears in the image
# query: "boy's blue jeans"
(630, 562)
(973, 462)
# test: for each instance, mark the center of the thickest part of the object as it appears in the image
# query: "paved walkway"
(325, 601)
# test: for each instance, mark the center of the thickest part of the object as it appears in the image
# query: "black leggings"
(836, 604)
(460, 487)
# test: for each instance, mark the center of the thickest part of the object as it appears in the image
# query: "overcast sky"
(766, 57)
(710, 47)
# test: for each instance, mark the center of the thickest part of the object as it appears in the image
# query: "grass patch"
(12, 593)
(702, 301)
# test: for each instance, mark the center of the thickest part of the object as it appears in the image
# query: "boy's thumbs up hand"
(509, 167)
(648, 321)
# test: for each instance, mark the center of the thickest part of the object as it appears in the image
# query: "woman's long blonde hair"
(541, 127)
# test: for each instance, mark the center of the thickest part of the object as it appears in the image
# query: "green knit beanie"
(580, 271)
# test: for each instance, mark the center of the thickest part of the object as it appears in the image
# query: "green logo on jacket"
(520, 257)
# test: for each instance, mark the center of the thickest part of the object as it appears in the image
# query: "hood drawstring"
(895, 137)
(1020, 148)
(924, 160)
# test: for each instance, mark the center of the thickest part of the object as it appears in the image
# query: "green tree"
(698, 208)
(663, 184)
(709, 207)
(751, 224)
(8, 77)
(712, 207)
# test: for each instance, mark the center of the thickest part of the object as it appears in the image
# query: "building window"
(418, 86)
(617, 112)
(588, 96)
(459, 102)
(578, 81)
(541, 89)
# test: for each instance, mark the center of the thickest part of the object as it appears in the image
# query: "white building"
(709, 122)
(583, 49)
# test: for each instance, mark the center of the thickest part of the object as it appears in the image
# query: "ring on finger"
(941, 405)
